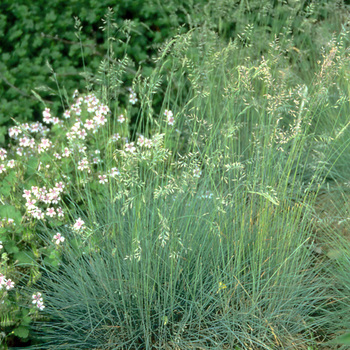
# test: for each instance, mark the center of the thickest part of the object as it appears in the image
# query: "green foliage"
(344, 339)
(35, 34)
(216, 234)
(198, 223)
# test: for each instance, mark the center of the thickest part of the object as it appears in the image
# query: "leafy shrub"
(33, 34)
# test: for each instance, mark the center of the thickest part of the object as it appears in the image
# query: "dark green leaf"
(343, 339)
(21, 332)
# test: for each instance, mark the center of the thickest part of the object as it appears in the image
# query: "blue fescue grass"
(207, 242)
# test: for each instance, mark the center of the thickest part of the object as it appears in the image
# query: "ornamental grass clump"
(195, 230)
(192, 227)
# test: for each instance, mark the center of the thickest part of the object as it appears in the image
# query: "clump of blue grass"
(207, 245)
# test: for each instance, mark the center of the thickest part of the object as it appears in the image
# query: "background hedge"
(36, 32)
(39, 32)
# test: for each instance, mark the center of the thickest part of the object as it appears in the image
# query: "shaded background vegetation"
(36, 33)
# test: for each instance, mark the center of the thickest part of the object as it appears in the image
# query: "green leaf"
(10, 212)
(26, 320)
(343, 339)
(334, 254)
(3, 132)
(32, 165)
(48, 261)
(6, 56)
(54, 255)
(5, 189)
(3, 233)
(15, 34)
(24, 257)
(11, 178)
(21, 332)
(12, 248)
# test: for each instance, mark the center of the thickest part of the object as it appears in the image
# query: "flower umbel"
(79, 224)
(170, 117)
(9, 284)
(58, 238)
(38, 300)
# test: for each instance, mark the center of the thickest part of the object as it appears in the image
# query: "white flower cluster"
(7, 283)
(38, 300)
